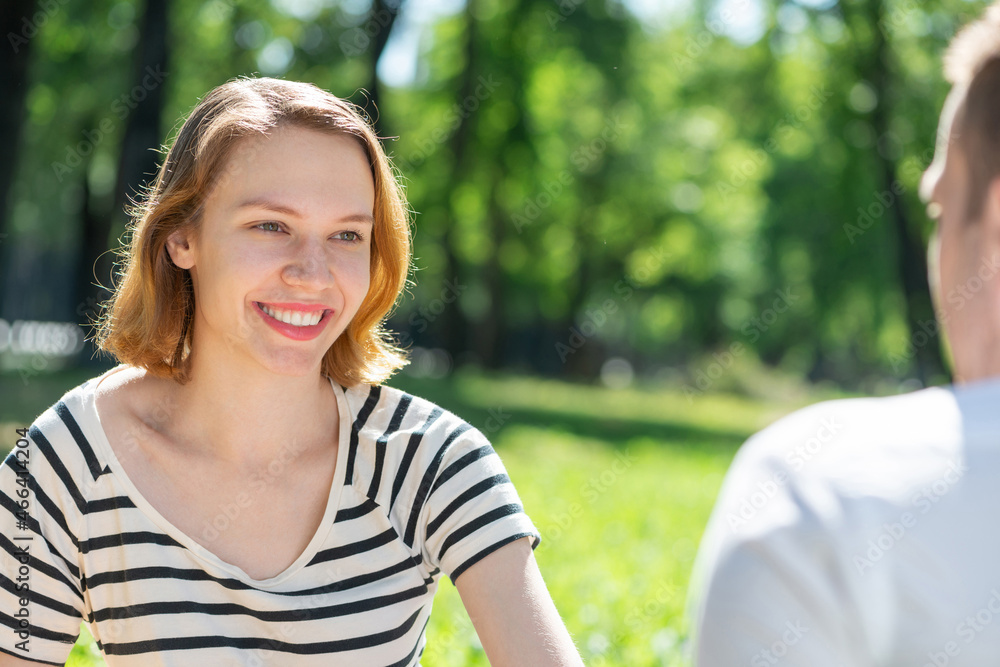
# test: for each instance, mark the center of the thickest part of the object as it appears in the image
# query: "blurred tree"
(383, 15)
(18, 23)
(875, 64)
(586, 183)
(138, 160)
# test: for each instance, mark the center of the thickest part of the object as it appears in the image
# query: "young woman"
(242, 489)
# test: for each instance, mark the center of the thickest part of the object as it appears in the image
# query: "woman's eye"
(353, 237)
(349, 236)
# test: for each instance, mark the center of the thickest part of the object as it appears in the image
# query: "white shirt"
(859, 532)
(416, 492)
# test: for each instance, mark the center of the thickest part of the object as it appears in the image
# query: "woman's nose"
(309, 264)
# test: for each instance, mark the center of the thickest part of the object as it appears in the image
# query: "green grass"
(620, 485)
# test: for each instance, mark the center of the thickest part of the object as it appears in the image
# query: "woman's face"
(285, 235)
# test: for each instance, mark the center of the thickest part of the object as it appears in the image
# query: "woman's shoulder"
(443, 485)
(372, 406)
(394, 430)
(61, 448)
(70, 409)
(76, 399)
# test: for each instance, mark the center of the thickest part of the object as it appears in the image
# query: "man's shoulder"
(858, 431)
(834, 468)
(820, 461)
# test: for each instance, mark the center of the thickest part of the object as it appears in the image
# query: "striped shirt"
(416, 492)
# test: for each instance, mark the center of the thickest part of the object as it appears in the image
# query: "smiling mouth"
(295, 318)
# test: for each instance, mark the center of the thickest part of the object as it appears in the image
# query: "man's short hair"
(972, 66)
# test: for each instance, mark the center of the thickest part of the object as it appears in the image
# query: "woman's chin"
(294, 364)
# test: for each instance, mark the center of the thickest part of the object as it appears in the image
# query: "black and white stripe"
(421, 493)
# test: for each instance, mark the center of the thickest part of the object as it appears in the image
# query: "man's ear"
(180, 249)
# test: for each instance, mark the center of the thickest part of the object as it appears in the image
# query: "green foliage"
(554, 153)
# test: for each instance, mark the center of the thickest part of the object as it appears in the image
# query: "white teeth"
(294, 317)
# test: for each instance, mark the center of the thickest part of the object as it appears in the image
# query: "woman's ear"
(179, 248)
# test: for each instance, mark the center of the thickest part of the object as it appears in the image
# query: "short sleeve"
(472, 508)
(41, 602)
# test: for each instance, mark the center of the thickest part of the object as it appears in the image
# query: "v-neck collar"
(102, 443)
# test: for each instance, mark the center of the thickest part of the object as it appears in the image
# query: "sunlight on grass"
(85, 653)
(619, 529)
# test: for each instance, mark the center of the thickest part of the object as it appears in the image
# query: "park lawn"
(620, 483)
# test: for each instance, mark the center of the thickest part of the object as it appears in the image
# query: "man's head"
(962, 187)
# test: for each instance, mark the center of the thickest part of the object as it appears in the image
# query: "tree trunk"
(453, 319)
(383, 14)
(17, 27)
(138, 160)
(911, 262)
(491, 339)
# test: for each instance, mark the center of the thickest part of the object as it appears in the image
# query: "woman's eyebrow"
(269, 205)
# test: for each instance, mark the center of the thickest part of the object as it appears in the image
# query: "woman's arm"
(11, 661)
(512, 610)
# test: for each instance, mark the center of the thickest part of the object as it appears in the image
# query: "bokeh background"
(643, 230)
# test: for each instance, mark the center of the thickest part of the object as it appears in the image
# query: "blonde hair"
(972, 66)
(147, 322)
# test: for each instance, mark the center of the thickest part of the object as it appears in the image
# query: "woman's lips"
(292, 331)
